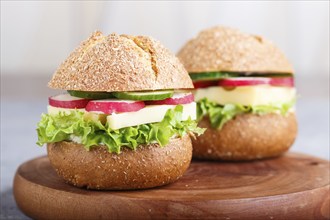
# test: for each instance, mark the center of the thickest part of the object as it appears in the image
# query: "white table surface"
(22, 105)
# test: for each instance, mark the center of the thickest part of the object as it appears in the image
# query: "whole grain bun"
(148, 166)
(246, 137)
(226, 49)
(120, 63)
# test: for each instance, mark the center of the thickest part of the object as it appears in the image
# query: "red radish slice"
(243, 81)
(176, 99)
(109, 106)
(67, 101)
(250, 81)
(204, 84)
(282, 81)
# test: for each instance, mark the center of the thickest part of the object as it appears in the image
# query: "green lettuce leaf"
(220, 114)
(72, 126)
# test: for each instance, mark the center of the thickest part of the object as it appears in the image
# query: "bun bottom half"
(246, 137)
(146, 167)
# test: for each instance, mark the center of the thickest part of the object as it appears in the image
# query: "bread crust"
(246, 137)
(120, 63)
(226, 49)
(149, 166)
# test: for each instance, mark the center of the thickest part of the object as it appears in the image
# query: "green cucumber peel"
(221, 75)
(211, 75)
(145, 95)
(91, 95)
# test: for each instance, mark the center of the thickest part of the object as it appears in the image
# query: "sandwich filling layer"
(222, 99)
(123, 123)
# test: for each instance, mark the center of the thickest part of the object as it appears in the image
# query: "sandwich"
(245, 94)
(126, 117)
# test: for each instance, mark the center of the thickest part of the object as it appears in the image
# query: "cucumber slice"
(211, 75)
(91, 95)
(220, 75)
(145, 96)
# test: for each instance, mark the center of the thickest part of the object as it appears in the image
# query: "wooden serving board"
(294, 186)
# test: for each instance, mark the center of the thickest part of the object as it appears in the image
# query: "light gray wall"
(37, 36)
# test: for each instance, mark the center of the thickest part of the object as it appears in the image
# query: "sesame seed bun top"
(226, 49)
(120, 63)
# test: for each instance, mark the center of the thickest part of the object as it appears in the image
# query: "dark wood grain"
(294, 186)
